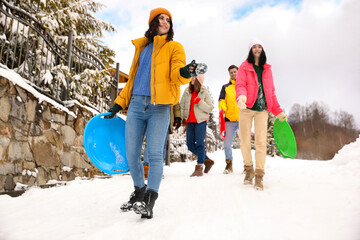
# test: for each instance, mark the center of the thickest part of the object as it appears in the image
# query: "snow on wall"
(16, 79)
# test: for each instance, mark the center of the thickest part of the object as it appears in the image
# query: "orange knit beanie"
(157, 11)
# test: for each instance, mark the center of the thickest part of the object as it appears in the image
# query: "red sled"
(222, 124)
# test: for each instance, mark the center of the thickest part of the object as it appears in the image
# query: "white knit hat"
(253, 42)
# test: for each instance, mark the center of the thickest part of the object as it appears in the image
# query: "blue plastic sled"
(104, 142)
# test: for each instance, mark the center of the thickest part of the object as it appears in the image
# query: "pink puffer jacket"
(247, 84)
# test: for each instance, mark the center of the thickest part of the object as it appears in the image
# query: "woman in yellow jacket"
(157, 71)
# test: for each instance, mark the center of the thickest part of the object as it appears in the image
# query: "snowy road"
(302, 200)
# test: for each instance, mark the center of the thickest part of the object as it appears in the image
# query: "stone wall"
(39, 142)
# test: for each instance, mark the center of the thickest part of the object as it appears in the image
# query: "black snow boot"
(137, 195)
(145, 208)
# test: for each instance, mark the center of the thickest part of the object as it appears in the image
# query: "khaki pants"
(245, 124)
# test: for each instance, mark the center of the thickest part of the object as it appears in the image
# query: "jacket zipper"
(133, 78)
(154, 68)
(130, 92)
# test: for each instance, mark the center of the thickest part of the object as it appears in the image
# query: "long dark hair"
(152, 31)
(262, 60)
(196, 87)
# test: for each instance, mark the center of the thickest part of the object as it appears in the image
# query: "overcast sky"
(312, 45)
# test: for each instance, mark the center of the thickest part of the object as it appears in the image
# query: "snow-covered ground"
(301, 200)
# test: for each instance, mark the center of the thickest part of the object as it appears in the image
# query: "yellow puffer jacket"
(227, 101)
(167, 59)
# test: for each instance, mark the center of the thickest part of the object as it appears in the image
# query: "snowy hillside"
(301, 200)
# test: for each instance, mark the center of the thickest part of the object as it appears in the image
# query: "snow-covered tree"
(213, 126)
(28, 53)
(210, 142)
(60, 17)
(178, 149)
(271, 147)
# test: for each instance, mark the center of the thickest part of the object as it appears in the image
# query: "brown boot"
(249, 174)
(259, 174)
(198, 171)
(208, 164)
(244, 171)
(228, 168)
(146, 171)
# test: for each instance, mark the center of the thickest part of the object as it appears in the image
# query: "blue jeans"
(144, 117)
(146, 156)
(195, 140)
(230, 128)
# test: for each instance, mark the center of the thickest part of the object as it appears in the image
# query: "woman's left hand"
(281, 116)
(188, 69)
(177, 123)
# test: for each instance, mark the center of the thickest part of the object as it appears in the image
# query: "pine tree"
(213, 127)
(211, 136)
(178, 148)
(62, 16)
(31, 54)
(271, 147)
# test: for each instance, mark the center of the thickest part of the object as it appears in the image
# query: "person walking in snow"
(196, 104)
(157, 71)
(175, 122)
(227, 103)
(255, 96)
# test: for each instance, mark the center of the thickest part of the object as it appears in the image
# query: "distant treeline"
(318, 134)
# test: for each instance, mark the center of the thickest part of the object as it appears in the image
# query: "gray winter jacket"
(201, 110)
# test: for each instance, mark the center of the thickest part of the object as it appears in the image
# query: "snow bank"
(349, 156)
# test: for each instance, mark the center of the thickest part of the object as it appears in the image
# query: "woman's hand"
(197, 100)
(281, 116)
(113, 110)
(240, 101)
(177, 123)
(188, 69)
